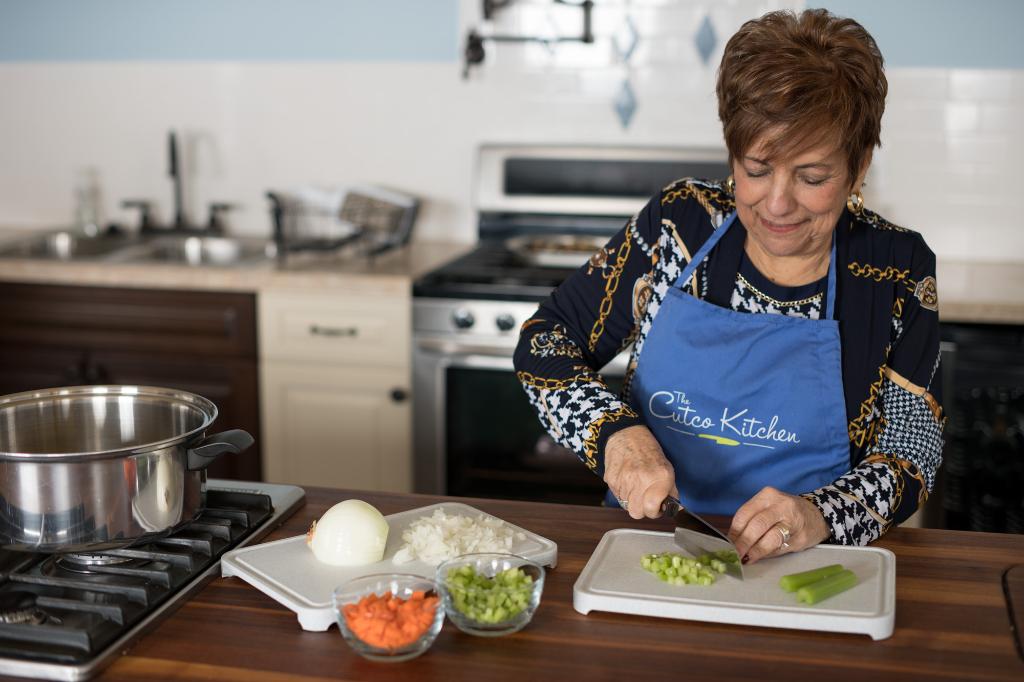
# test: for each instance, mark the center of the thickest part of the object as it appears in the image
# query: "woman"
(786, 371)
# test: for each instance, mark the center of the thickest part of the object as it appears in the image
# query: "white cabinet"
(335, 376)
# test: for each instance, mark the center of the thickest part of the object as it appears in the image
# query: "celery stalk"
(828, 587)
(794, 581)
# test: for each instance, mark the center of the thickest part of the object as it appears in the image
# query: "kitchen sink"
(194, 250)
(66, 245)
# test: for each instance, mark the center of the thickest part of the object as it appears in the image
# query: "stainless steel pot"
(87, 468)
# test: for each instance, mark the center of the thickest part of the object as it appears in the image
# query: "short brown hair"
(800, 81)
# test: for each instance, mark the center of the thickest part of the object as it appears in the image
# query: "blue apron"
(739, 401)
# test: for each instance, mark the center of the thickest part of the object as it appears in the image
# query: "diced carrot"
(388, 621)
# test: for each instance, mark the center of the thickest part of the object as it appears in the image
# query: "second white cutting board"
(613, 580)
(287, 570)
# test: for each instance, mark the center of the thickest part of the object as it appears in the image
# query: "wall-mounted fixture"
(474, 53)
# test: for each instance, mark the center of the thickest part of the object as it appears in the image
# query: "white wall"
(950, 137)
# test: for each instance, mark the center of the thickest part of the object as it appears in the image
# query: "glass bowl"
(490, 594)
(370, 627)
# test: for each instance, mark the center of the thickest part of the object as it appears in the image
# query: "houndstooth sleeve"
(585, 323)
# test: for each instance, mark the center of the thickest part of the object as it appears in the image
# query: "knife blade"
(697, 536)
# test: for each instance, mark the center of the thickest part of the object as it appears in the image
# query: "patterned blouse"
(886, 305)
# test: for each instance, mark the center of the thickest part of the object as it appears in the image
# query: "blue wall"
(271, 30)
(981, 34)
(942, 33)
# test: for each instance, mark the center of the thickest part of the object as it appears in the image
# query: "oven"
(476, 434)
(542, 212)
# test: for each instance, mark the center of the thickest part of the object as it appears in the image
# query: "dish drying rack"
(368, 220)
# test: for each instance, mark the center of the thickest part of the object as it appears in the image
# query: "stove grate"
(85, 607)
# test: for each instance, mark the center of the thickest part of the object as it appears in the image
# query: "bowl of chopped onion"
(389, 617)
(490, 594)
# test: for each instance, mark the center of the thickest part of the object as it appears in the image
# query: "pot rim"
(204, 405)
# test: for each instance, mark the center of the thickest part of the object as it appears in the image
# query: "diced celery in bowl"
(490, 594)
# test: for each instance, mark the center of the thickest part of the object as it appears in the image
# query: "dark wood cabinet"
(197, 341)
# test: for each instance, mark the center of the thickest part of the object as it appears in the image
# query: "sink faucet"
(175, 173)
(179, 224)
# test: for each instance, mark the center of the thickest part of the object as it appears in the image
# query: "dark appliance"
(542, 212)
(66, 616)
(981, 482)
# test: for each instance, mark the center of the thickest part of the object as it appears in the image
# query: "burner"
(80, 561)
(88, 564)
(20, 607)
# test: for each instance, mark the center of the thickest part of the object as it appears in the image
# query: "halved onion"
(351, 533)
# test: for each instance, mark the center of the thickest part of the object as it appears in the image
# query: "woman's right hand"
(637, 472)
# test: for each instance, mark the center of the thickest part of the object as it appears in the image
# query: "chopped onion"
(441, 536)
(350, 533)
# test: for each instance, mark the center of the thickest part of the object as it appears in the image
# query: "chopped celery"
(676, 569)
(489, 600)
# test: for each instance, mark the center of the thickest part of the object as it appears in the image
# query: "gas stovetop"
(64, 617)
(493, 272)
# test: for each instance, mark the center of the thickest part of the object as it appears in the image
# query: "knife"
(697, 536)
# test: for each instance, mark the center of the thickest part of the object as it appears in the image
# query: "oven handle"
(498, 358)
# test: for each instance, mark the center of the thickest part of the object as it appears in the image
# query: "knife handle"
(670, 506)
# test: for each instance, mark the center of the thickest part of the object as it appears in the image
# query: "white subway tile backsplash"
(962, 117)
(982, 149)
(917, 84)
(1001, 118)
(947, 168)
(921, 115)
(1017, 87)
(911, 148)
(972, 85)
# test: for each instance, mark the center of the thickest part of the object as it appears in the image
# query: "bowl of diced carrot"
(389, 617)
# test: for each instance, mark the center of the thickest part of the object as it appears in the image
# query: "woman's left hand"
(772, 523)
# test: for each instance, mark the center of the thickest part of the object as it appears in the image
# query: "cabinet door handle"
(73, 375)
(93, 373)
(317, 330)
(399, 395)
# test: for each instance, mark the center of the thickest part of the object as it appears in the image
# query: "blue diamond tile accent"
(625, 103)
(705, 40)
(626, 40)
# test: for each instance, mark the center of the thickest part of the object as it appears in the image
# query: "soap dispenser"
(87, 201)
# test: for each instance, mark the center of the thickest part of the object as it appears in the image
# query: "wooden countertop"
(951, 622)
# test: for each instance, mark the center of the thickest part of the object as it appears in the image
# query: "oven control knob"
(505, 322)
(462, 318)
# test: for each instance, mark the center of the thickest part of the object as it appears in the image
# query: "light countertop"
(390, 272)
(969, 291)
(981, 292)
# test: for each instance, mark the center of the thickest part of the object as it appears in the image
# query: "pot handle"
(212, 447)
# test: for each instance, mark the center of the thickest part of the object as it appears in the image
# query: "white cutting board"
(613, 580)
(287, 570)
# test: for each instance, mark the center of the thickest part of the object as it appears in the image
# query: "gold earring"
(730, 185)
(855, 202)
